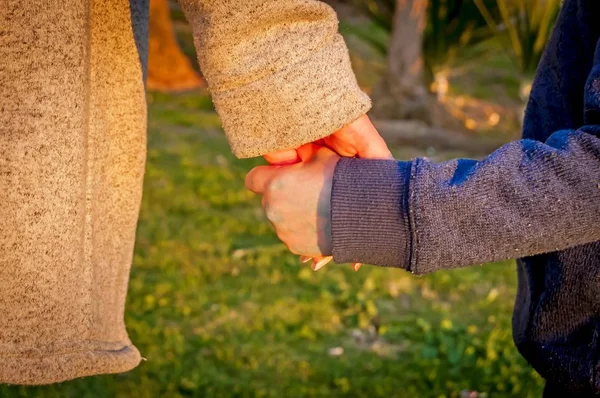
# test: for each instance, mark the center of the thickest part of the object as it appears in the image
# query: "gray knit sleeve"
(524, 199)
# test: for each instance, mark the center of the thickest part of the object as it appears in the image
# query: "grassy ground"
(219, 308)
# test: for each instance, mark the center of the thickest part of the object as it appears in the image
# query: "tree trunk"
(169, 70)
(403, 93)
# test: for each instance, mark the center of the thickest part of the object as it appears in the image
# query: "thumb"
(370, 144)
(375, 149)
(364, 139)
(307, 151)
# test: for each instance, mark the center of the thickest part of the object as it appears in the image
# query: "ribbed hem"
(55, 367)
(301, 103)
(369, 212)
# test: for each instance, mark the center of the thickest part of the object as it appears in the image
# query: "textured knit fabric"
(72, 150)
(73, 142)
(537, 199)
(354, 215)
(278, 71)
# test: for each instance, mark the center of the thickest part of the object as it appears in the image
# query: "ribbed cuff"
(298, 104)
(369, 212)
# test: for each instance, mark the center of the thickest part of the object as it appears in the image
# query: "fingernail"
(305, 259)
(317, 265)
(356, 266)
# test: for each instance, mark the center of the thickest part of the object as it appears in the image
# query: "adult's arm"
(526, 198)
(279, 71)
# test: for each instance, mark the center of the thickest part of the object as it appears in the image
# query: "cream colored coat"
(73, 147)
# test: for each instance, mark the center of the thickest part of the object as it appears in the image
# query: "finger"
(312, 151)
(323, 152)
(376, 148)
(343, 149)
(259, 177)
(371, 145)
(289, 156)
(320, 262)
(307, 151)
(305, 259)
(356, 266)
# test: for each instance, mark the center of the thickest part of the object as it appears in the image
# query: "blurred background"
(219, 308)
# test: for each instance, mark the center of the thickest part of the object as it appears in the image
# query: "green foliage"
(452, 25)
(524, 26)
(374, 34)
(220, 309)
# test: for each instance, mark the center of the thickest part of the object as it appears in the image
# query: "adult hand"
(296, 200)
(357, 139)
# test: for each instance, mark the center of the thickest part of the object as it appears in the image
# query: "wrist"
(369, 212)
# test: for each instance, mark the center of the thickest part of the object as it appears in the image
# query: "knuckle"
(274, 186)
(278, 184)
(271, 212)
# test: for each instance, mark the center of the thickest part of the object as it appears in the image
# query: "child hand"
(296, 199)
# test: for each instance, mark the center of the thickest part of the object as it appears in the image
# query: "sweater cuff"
(369, 212)
(298, 104)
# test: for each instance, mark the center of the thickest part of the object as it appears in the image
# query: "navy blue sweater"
(537, 199)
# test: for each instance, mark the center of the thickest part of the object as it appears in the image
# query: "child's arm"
(526, 198)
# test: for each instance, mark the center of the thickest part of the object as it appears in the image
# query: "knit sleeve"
(279, 71)
(526, 198)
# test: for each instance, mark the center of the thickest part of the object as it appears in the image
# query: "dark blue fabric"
(537, 198)
(140, 11)
(565, 95)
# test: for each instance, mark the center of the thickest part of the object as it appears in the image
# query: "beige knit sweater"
(73, 144)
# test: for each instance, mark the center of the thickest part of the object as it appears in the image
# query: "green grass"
(219, 308)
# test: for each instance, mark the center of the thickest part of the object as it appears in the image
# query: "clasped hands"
(296, 188)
